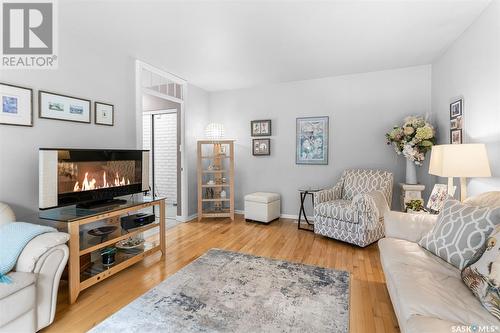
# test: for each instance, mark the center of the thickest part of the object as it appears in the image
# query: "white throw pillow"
(487, 199)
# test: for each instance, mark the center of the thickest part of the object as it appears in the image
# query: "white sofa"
(427, 293)
(28, 304)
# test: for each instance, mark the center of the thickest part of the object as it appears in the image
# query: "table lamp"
(459, 160)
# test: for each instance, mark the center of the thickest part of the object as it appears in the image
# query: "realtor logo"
(28, 34)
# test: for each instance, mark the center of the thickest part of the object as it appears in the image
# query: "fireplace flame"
(92, 184)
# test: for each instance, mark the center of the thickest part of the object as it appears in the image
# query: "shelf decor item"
(456, 122)
(261, 147)
(260, 127)
(17, 105)
(62, 107)
(215, 178)
(413, 139)
(312, 140)
(104, 114)
(438, 196)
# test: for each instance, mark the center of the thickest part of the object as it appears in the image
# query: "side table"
(410, 192)
(303, 194)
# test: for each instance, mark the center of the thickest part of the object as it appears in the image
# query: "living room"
(327, 166)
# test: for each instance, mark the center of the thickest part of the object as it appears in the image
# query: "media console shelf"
(85, 271)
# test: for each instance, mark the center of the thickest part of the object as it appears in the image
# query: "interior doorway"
(160, 137)
(159, 128)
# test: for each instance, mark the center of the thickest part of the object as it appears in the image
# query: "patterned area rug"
(226, 291)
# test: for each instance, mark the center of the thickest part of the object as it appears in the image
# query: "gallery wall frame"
(104, 114)
(57, 106)
(261, 127)
(17, 105)
(457, 121)
(261, 147)
(312, 138)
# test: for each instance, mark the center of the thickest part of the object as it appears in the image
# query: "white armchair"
(28, 304)
(353, 210)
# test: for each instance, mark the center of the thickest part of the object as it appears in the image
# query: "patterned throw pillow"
(460, 231)
(483, 275)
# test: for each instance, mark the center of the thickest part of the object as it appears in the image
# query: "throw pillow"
(460, 231)
(487, 199)
(483, 276)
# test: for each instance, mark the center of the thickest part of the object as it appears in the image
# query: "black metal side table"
(303, 194)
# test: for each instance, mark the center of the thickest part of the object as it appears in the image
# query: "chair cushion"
(19, 281)
(263, 197)
(362, 181)
(460, 231)
(427, 286)
(337, 209)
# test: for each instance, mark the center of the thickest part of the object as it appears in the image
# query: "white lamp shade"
(460, 160)
(214, 131)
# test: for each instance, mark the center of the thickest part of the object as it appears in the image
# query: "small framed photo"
(456, 136)
(104, 114)
(456, 109)
(261, 147)
(438, 196)
(62, 107)
(17, 105)
(260, 127)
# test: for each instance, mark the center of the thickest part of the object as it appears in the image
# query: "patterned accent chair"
(353, 210)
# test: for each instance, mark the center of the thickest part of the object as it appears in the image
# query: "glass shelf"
(96, 267)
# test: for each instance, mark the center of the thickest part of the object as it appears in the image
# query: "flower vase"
(411, 173)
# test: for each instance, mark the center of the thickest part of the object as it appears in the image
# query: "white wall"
(195, 122)
(83, 72)
(361, 107)
(470, 68)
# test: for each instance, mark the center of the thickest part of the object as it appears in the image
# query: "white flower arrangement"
(413, 139)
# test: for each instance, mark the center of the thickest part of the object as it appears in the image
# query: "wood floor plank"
(370, 307)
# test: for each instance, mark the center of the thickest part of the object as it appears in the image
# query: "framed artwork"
(104, 113)
(17, 105)
(260, 127)
(62, 107)
(312, 140)
(456, 121)
(261, 147)
(456, 136)
(438, 196)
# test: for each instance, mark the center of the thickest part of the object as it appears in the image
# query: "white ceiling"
(230, 45)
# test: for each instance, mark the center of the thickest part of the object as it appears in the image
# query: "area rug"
(225, 291)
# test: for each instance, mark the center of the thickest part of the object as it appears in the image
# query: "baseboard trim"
(283, 216)
(186, 219)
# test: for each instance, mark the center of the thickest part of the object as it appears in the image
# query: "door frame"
(139, 91)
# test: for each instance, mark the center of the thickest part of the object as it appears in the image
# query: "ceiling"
(229, 45)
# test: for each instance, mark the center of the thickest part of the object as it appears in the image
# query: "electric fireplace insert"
(90, 177)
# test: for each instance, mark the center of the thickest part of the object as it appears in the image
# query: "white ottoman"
(262, 206)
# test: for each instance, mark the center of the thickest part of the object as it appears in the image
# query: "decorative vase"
(411, 173)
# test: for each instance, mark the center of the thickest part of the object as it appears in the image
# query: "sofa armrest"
(411, 227)
(330, 194)
(37, 247)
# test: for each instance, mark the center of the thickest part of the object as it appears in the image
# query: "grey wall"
(83, 72)
(470, 68)
(361, 107)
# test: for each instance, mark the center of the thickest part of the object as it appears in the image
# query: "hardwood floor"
(370, 306)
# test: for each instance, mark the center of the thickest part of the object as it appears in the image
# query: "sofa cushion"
(460, 231)
(487, 199)
(337, 209)
(483, 275)
(19, 281)
(362, 181)
(427, 286)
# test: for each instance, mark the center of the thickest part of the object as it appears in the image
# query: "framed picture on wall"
(17, 105)
(261, 147)
(62, 107)
(312, 140)
(456, 121)
(456, 136)
(104, 113)
(260, 127)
